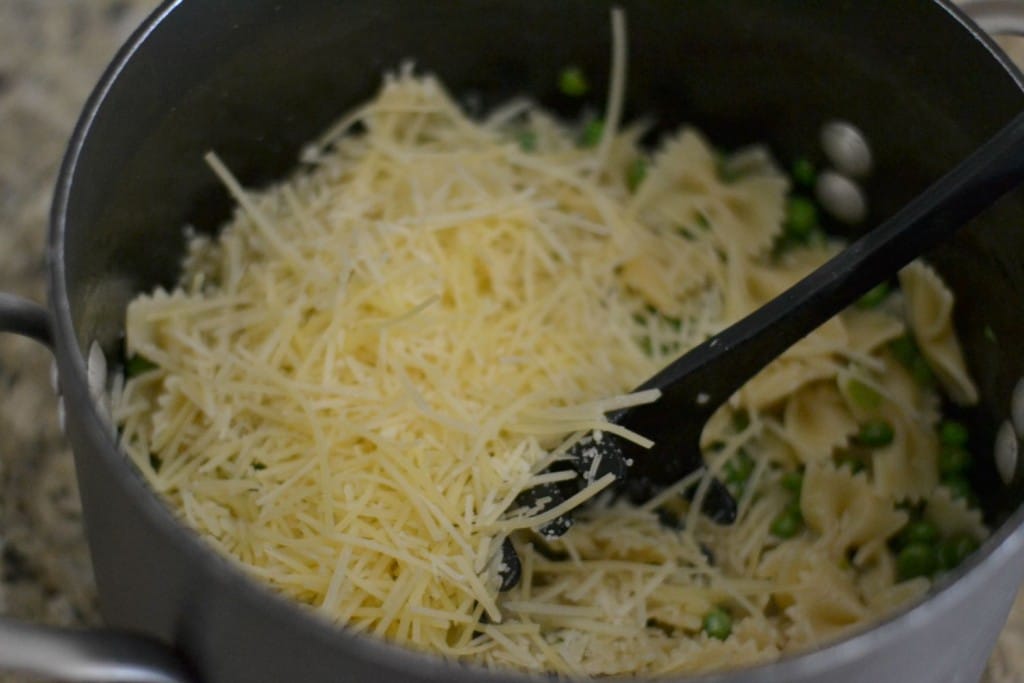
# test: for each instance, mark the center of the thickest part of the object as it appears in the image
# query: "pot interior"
(254, 81)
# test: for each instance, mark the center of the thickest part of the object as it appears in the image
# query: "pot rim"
(998, 550)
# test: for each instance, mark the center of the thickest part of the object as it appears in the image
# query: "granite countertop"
(51, 54)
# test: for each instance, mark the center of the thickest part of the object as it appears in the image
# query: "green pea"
(592, 133)
(573, 82)
(863, 395)
(921, 531)
(527, 140)
(137, 365)
(904, 349)
(674, 323)
(876, 433)
(646, 346)
(803, 172)
(636, 173)
(953, 433)
(793, 481)
(801, 219)
(954, 550)
(727, 172)
(916, 559)
(788, 523)
(718, 624)
(953, 460)
(922, 372)
(739, 469)
(960, 488)
(874, 296)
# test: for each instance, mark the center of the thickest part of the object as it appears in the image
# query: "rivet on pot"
(1007, 451)
(61, 415)
(847, 148)
(1017, 408)
(841, 197)
(96, 371)
(54, 378)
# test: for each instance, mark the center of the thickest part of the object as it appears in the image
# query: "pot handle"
(25, 318)
(97, 656)
(997, 17)
(67, 654)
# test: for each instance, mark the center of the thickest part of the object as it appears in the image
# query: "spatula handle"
(717, 368)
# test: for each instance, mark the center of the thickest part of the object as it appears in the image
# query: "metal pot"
(255, 80)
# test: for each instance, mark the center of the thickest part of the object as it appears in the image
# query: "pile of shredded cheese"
(360, 373)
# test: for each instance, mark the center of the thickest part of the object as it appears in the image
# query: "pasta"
(930, 310)
(353, 381)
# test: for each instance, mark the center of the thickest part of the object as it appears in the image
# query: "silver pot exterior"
(255, 80)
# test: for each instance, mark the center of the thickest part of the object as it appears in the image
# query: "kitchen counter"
(51, 54)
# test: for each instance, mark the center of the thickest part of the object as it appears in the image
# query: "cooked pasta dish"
(352, 382)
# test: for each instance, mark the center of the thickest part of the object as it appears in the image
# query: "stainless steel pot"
(257, 79)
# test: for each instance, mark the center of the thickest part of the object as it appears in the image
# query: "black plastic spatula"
(694, 386)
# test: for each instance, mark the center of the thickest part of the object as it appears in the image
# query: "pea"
(922, 372)
(636, 173)
(874, 296)
(960, 487)
(920, 531)
(646, 346)
(863, 395)
(727, 172)
(904, 349)
(953, 433)
(876, 433)
(592, 133)
(953, 460)
(792, 481)
(803, 173)
(801, 219)
(954, 550)
(573, 82)
(527, 141)
(739, 469)
(788, 523)
(718, 624)
(137, 365)
(916, 559)
(674, 323)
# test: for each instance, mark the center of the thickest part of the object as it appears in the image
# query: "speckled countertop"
(51, 54)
